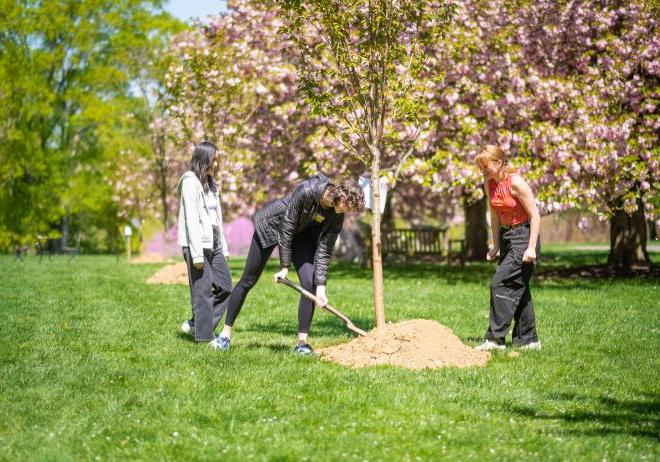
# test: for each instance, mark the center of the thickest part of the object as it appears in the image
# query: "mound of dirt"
(170, 274)
(415, 344)
(150, 258)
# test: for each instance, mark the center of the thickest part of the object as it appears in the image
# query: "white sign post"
(128, 232)
(365, 184)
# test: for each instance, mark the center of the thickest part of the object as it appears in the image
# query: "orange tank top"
(509, 209)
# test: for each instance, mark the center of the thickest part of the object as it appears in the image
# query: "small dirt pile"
(149, 258)
(170, 274)
(415, 344)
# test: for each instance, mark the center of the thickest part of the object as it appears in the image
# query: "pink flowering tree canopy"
(568, 89)
(231, 82)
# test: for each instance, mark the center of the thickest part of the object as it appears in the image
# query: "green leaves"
(360, 61)
(68, 74)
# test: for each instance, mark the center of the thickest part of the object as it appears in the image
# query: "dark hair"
(348, 193)
(202, 157)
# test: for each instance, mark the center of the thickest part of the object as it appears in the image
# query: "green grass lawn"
(93, 367)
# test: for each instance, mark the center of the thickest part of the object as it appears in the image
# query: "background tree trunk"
(476, 230)
(628, 239)
(653, 232)
(64, 240)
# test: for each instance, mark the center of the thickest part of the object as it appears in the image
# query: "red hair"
(492, 154)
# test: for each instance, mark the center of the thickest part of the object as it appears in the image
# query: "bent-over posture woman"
(304, 225)
(515, 224)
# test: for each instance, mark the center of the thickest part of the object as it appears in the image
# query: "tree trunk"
(64, 241)
(166, 213)
(159, 147)
(628, 240)
(476, 230)
(653, 232)
(379, 304)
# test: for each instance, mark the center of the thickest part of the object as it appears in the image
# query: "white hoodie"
(195, 229)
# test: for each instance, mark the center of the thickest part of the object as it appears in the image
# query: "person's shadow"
(606, 416)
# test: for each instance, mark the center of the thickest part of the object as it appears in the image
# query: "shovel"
(312, 297)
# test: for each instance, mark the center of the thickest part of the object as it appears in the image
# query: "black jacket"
(278, 221)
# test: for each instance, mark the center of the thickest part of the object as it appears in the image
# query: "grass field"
(93, 367)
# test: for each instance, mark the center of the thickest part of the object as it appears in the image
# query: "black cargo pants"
(510, 297)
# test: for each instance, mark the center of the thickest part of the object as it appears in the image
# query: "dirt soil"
(415, 344)
(170, 274)
(150, 258)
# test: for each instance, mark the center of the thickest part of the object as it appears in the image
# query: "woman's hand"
(492, 253)
(281, 274)
(199, 266)
(320, 295)
(529, 255)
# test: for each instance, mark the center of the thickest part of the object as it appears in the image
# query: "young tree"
(358, 63)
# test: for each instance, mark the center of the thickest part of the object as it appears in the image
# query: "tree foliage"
(68, 71)
(569, 89)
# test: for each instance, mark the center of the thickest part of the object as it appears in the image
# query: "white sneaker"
(489, 345)
(532, 346)
(188, 327)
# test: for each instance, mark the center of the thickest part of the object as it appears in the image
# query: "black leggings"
(303, 249)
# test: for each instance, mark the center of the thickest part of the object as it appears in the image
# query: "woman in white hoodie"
(201, 236)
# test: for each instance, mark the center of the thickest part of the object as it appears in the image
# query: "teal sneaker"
(304, 349)
(220, 343)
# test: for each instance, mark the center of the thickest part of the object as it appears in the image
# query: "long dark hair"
(202, 157)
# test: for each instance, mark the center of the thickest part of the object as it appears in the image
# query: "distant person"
(200, 234)
(515, 221)
(304, 225)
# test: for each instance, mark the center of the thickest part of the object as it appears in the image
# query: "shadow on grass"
(325, 326)
(272, 347)
(556, 270)
(471, 273)
(608, 415)
(188, 338)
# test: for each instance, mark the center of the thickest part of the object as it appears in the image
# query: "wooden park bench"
(427, 243)
(413, 242)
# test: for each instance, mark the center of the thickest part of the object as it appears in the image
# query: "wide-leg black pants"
(510, 297)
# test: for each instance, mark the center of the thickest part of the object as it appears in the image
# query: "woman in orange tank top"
(515, 221)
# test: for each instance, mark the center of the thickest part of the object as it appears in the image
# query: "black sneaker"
(304, 349)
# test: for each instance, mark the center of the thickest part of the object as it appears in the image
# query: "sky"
(186, 9)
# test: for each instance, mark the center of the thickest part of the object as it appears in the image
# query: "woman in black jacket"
(305, 225)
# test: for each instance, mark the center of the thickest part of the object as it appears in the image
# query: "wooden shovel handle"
(327, 307)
